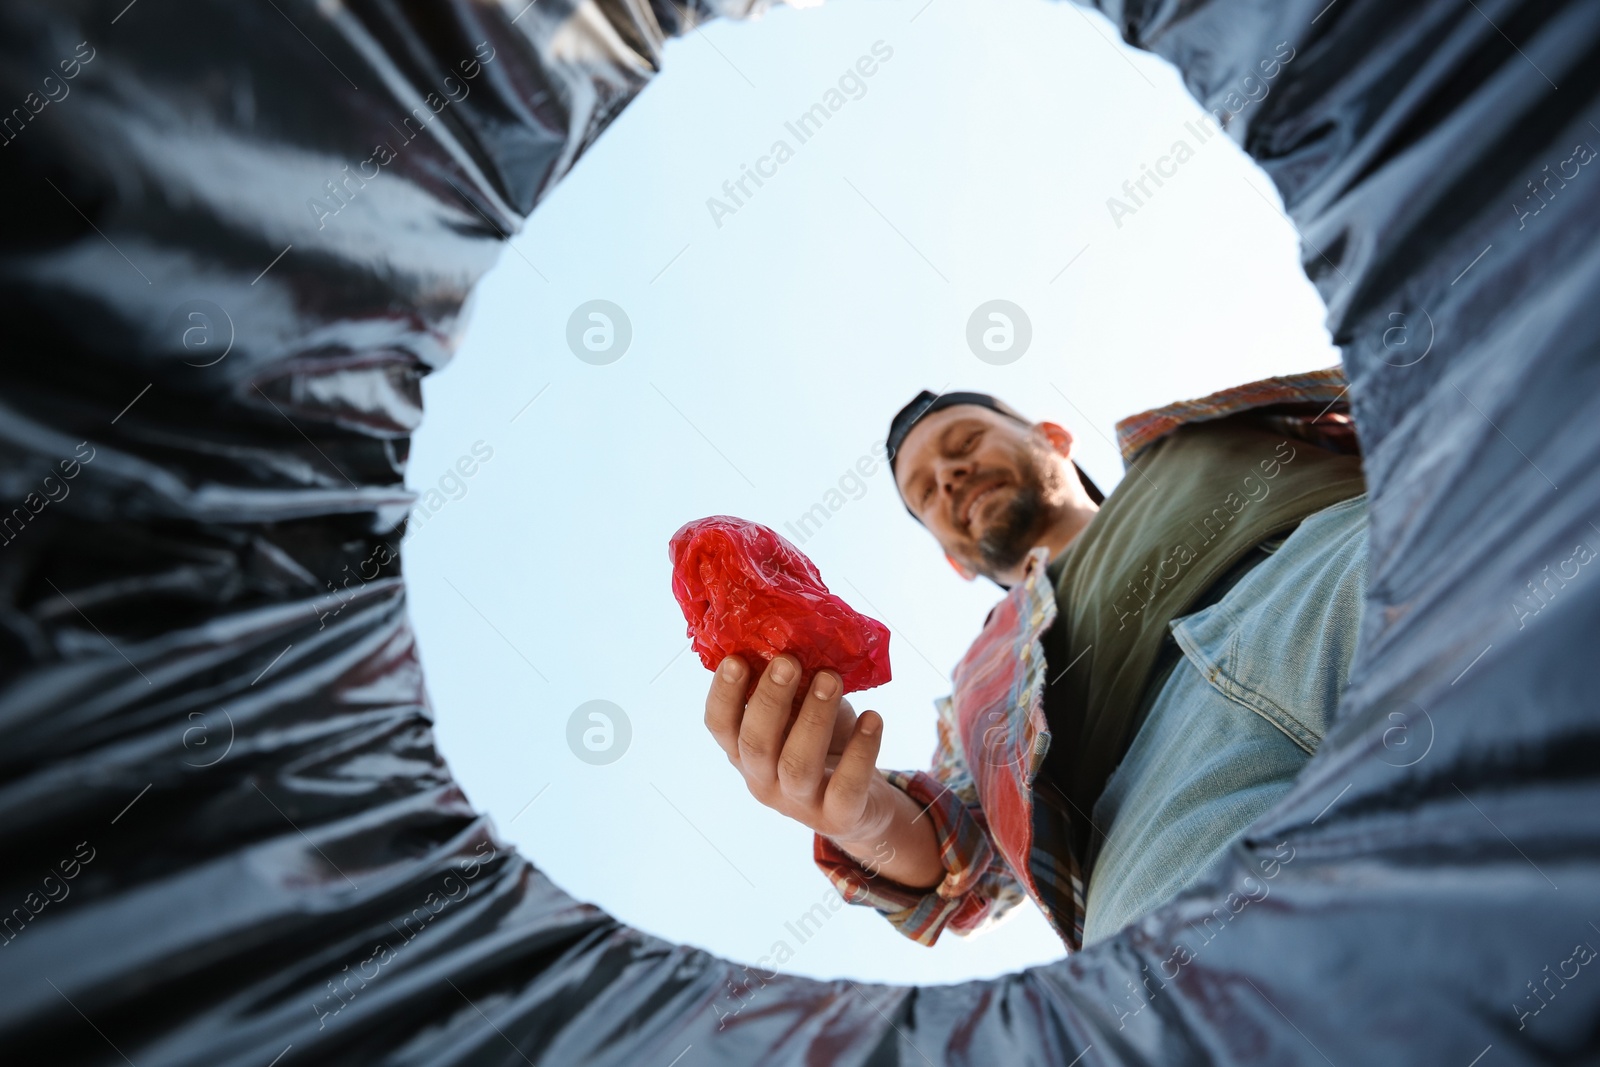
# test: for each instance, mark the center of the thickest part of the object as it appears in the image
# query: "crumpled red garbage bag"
(746, 591)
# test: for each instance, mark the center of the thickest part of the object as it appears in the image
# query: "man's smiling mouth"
(978, 498)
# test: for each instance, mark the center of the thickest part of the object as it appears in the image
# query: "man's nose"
(952, 474)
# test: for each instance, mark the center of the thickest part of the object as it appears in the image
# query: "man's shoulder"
(1310, 391)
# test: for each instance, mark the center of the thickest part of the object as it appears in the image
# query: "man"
(1164, 661)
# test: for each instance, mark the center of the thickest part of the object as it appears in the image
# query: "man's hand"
(819, 767)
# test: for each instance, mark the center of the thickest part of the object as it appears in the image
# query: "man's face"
(985, 485)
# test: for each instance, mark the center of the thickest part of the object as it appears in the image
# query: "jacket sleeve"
(978, 886)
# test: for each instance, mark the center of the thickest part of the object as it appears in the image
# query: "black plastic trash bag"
(238, 235)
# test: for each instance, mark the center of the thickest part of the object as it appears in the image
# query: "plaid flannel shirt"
(994, 724)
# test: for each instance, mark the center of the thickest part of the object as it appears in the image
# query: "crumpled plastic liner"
(745, 590)
(228, 836)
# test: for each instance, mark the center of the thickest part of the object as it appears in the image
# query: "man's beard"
(1006, 541)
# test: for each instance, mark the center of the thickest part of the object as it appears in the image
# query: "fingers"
(844, 724)
(766, 718)
(846, 795)
(725, 704)
(805, 750)
(821, 769)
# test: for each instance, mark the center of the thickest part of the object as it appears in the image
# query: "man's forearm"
(907, 850)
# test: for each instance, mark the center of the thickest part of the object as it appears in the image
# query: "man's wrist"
(867, 846)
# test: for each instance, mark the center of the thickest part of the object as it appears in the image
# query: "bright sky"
(767, 355)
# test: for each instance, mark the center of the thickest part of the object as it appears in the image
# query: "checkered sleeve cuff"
(975, 881)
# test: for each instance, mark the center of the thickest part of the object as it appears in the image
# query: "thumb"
(845, 799)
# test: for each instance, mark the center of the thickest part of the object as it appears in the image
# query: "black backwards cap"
(926, 403)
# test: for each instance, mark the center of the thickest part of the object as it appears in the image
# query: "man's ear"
(1059, 436)
(960, 568)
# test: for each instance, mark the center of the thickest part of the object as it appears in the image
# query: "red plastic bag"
(746, 591)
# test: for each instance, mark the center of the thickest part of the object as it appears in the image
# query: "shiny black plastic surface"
(219, 797)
